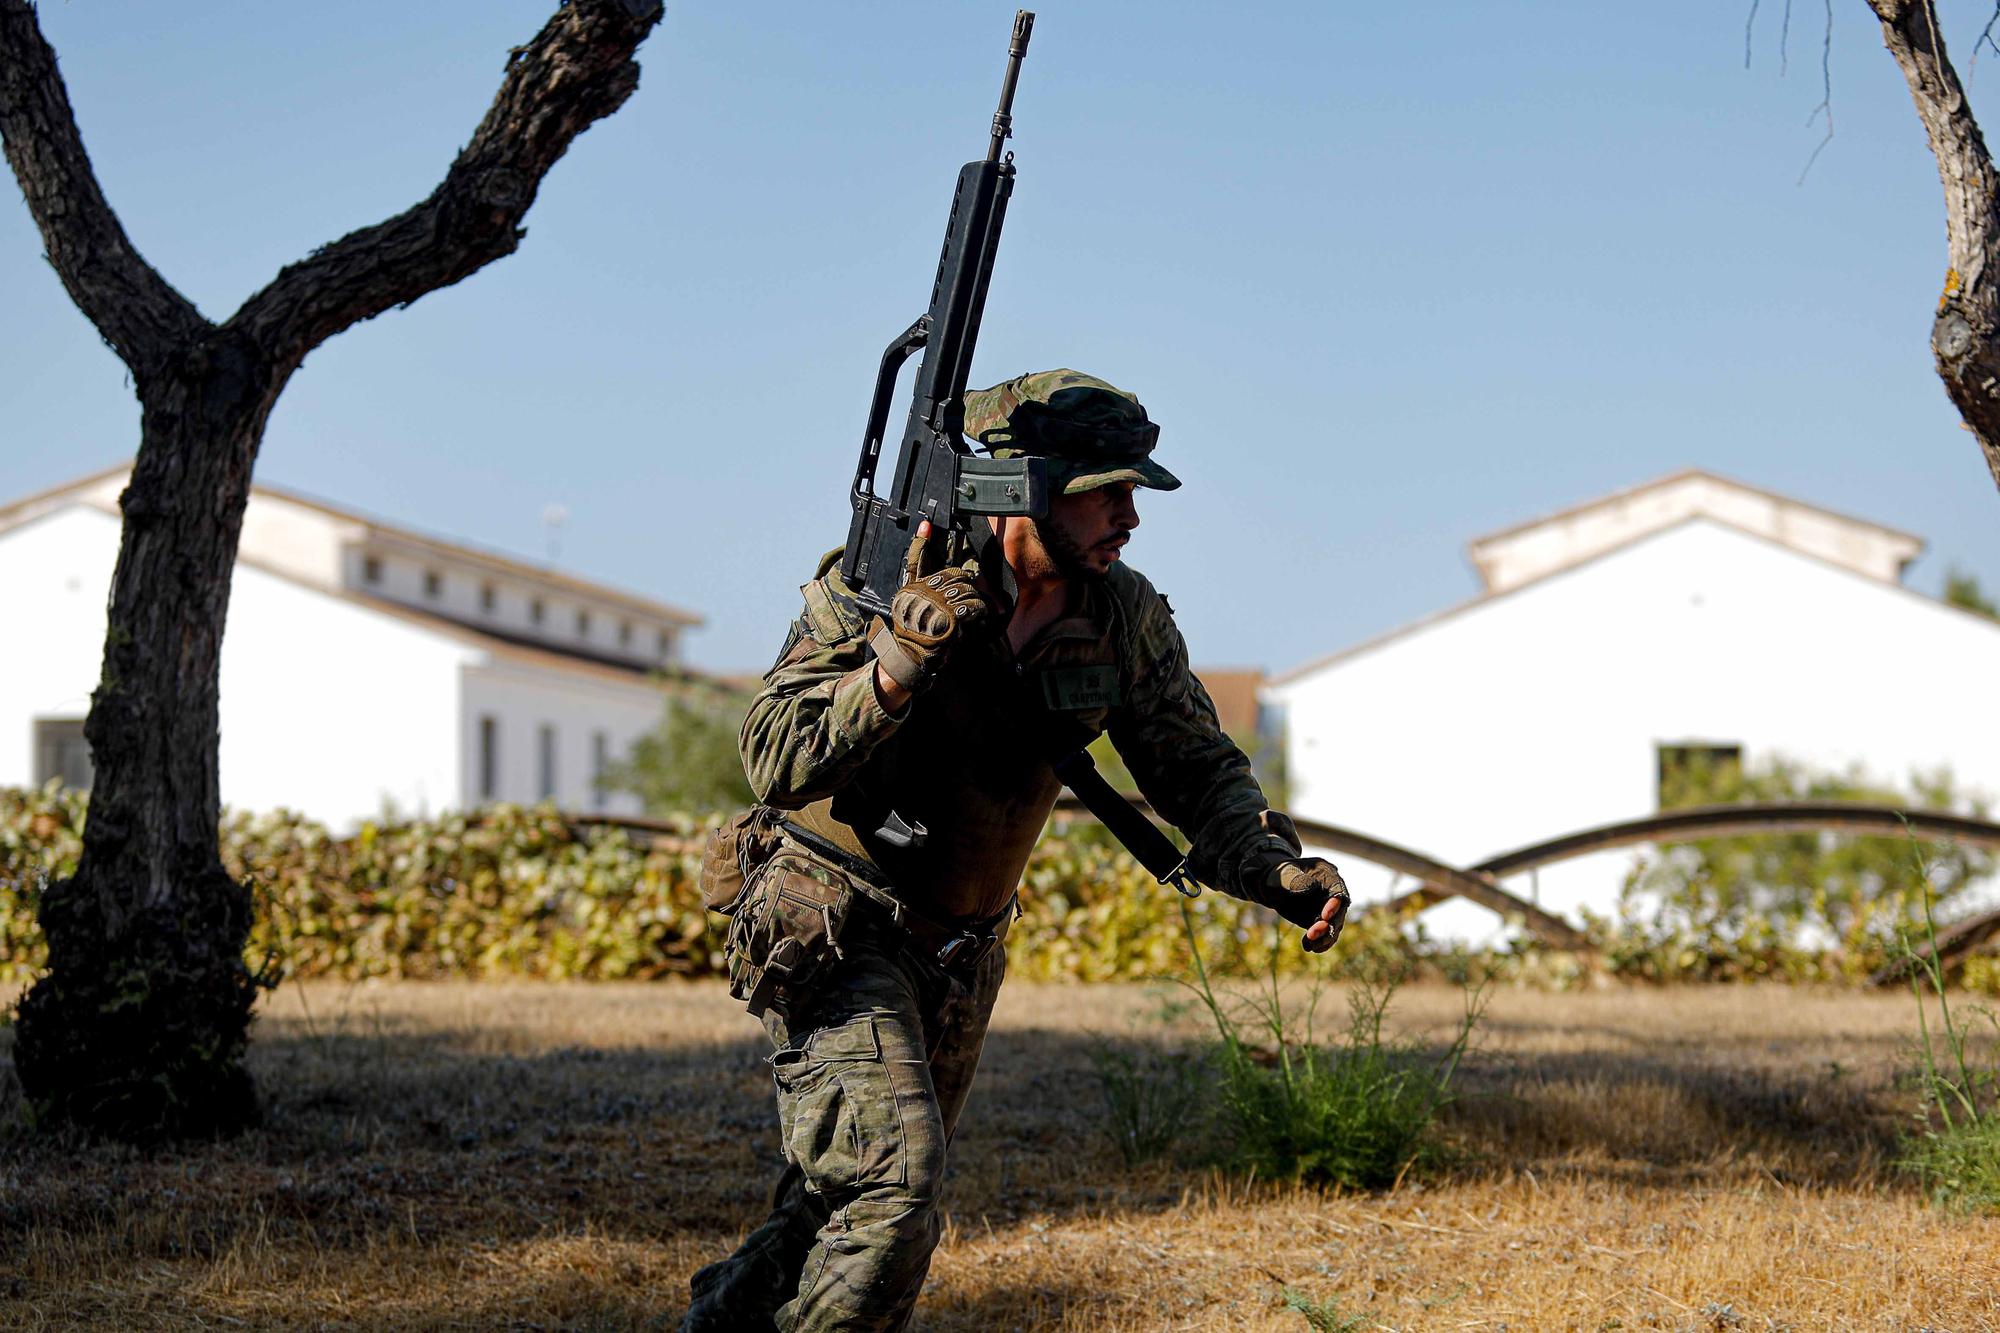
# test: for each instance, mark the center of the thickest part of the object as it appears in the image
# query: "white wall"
(57, 572)
(1539, 712)
(334, 709)
(298, 539)
(326, 707)
(522, 699)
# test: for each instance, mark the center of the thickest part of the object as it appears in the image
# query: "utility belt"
(955, 947)
(789, 907)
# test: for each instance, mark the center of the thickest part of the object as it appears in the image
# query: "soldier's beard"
(1069, 556)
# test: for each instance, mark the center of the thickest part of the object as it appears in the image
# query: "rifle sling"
(1139, 834)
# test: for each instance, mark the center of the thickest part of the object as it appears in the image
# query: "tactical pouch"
(785, 930)
(734, 852)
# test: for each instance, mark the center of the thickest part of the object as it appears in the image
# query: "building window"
(62, 752)
(433, 583)
(600, 759)
(489, 598)
(583, 624)
(666, 645)
(489, 757)
(535, 611)
(624, 634)
(545, 777)
(1695, 773)
(371, 569)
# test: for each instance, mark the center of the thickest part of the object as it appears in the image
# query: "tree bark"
(1965, 336)
(138, 1027)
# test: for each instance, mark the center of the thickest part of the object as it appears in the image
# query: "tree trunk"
(139, 1026)
(1965, 335)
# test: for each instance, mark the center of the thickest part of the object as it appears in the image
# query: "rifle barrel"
(1017, 46)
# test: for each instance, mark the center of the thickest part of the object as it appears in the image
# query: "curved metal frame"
(1439, 880)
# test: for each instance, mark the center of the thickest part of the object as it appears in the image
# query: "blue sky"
(1389, 277)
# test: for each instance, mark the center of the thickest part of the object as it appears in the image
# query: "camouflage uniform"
(873, 1071)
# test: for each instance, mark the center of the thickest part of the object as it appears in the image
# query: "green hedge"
(512, 892)
(504, 891)
(509, 891)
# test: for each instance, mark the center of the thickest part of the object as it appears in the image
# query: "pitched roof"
(496, 560)
(15, 510)
(1524, 552)
(1485, 598)
(501, 645)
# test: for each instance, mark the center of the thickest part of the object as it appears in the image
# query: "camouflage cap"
(1092, 433)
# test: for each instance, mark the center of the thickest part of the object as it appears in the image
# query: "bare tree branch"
(576, 71)
(136, 310)
(149, 898)
(1985, 38)
(1965, 336)
(1825, 93)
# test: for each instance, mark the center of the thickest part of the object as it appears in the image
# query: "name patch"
(1074, 689)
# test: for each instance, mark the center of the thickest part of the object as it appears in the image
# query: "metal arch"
(1439, 879)
(1480, 883)
(1720, 821)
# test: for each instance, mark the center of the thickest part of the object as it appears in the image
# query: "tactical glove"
(1299, 891)
(929, 616)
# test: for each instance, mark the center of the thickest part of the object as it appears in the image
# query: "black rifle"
(938, 478)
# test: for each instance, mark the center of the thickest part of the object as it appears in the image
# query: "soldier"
(910, 761)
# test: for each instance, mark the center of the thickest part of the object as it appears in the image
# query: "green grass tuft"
(1324, 1316)
(1356, 1112)
(1150, 1098)
(1956, 1149)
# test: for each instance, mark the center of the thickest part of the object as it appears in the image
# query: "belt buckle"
(966, 950)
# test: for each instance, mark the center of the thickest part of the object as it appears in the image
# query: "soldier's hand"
(1310, 893)
(930, 616)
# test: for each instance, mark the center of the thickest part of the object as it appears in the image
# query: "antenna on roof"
(553, 518)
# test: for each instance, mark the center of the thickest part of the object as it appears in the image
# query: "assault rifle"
(937, 476)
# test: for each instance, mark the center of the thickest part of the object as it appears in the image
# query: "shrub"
(1357, 1112)
(1956, 1149)
(1151, 1097)
(504, 891)
(690, 761)
(508, 891)
(1799, 906)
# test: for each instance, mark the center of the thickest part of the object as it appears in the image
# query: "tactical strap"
(901, 667)
(957, 947)
(1003, 589)
(1141, 838)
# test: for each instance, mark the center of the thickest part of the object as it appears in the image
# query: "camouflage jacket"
(970, 759)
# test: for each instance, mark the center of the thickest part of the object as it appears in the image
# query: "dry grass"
(453, 1155)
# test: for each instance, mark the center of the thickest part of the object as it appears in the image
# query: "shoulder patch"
(831, 611)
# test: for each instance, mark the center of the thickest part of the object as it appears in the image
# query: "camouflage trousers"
(872, 1072)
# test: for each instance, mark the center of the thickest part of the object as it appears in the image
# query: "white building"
(365, 667)
(1691, 612)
